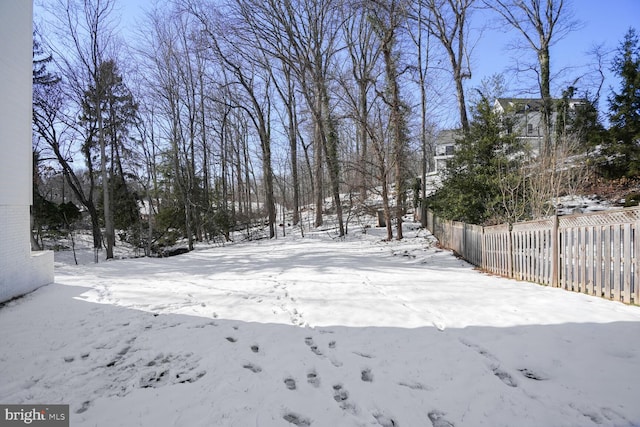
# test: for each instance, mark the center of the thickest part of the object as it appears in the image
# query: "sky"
(601, 23)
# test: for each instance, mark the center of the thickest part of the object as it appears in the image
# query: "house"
(445, 148)
(524, 117)
(521, 116)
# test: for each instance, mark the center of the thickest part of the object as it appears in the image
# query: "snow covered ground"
(318, 331)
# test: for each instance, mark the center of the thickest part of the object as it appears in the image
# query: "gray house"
(522, 116)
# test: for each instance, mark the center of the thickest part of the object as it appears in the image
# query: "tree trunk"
(109, 231)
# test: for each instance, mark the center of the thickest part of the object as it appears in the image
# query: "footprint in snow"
(385, 421)
(341, 396)
(84, 407)
(527, 373)
(231, 339)
(296, 420)
(366, 375)
(255, 348)
(504, 376)
(437, 419)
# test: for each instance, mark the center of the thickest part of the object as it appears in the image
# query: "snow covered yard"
(318, 332)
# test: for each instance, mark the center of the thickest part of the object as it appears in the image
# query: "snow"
(318, 331)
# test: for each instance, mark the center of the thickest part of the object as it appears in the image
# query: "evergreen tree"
(119, 114)
(623, 149)
(486, 159)
(580, 121)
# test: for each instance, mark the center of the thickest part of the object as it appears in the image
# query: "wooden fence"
(595, 253)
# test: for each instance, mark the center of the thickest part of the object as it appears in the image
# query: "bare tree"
(85, 32)
(359, 88)
(541, 23)
(423, 51)
(56, 129)
(249, 73)
(304, 34)
(447, 20)
(388, 18)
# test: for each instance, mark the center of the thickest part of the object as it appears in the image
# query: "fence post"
(555, 252)
(483, 254)
(510, 252)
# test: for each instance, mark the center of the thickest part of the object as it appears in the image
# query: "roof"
(529, 104)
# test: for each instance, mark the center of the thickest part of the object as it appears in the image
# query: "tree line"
(220, 115)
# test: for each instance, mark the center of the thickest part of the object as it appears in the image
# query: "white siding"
(21, 271)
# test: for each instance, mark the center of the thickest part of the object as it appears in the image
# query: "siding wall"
(21, 271)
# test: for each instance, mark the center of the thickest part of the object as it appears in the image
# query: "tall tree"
(359, 88)
(119, 115)
(85, 31)
(484, 162)
(624, 108)
(448, 21)
(388, 18)
(305, 35)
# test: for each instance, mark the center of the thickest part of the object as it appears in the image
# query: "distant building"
(521, 116)
(445, 148)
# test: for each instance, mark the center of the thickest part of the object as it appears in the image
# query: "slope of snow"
(318, 332)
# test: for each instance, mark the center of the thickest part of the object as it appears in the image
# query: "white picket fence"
(594, 253)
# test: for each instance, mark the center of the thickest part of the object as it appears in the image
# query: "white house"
(21, 271)
(445, 147)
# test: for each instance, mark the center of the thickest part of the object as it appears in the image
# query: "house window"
(448, 150)
(529, 128)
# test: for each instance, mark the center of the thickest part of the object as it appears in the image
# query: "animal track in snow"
(314, 348)
(340, 394)
(366, 375)
(231, 339)
(255, 348)
(313, 379)
(290, 383)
